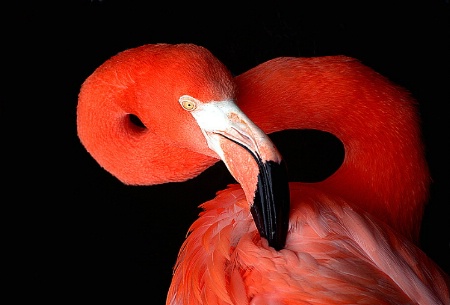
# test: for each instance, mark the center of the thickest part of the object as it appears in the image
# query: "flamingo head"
(183, 98)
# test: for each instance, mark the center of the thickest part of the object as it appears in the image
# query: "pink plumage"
(334, 254)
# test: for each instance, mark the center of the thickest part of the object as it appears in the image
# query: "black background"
(77, 232)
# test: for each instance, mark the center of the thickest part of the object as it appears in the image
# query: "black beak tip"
(271, 207)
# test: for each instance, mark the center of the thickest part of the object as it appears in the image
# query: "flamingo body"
(334, 254)
(351, 238)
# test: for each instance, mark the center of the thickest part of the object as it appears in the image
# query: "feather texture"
(334, 254)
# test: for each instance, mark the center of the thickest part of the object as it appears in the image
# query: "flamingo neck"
(384, 170)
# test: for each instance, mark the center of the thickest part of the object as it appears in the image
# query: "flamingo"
(352, 238)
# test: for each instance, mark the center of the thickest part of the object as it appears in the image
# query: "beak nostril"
(134, 120)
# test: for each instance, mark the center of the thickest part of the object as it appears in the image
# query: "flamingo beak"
(252, 159)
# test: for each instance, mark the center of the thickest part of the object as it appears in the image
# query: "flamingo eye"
(188, 103)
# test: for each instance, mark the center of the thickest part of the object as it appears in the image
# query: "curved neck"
(384, 170)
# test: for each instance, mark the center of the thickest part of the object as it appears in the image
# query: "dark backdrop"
(79, 233)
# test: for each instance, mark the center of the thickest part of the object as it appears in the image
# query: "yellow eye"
(188, 104)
